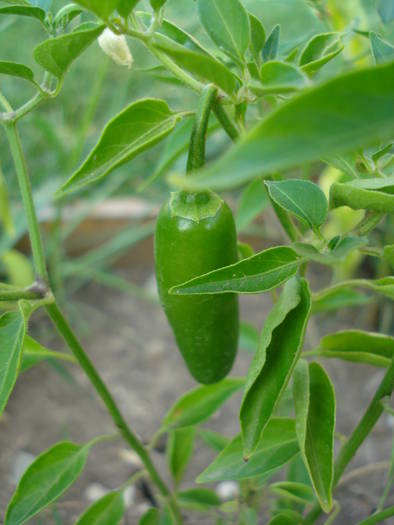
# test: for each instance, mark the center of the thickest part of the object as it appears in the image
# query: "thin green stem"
(351, 283)
(28, 203)
(227, 124)
(378, 517)
(359, 434)
(86, 364)
(6, 105)
(16, 295)
(196, 158)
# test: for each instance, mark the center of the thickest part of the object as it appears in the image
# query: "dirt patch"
(132, 346)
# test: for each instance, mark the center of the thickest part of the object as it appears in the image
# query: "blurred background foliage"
(58, 135)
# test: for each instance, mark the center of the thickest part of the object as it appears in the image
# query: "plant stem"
(351, 283)
(16, 295)
(64, 328)
(359, 434)
(227, 124)
(28, 203)
(196, 158)
(86, 364)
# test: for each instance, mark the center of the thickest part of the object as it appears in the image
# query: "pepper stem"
(196, 158)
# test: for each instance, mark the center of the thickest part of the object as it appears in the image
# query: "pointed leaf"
(179, 451)
(34, 353)
(138, 127)
(281, 77)
(276, 447)
(108, 510)
(364, 194)
(314, 399)
(261, 272)
(271, 46)
(257, 35)
(17, 70)
(24, 10)
(253, 201)
(359, 347)
(46, 479)
(286, 517)
(202, 500)
(12, 335)
(102, 9)
(199, 404)
(151, 517)
(57, 54)
(279, 349)
(381, 49)
(351, 111)
(319, 50)
(227, 23)
(202, 65)
(302, 198)
(386, 10)
(333, 301)
(213, 439)
(294, 491)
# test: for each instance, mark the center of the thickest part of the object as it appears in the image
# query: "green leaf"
(271, 46)
(179, 451)
(276, 447)
(253, 201)
(378, 517)
(286, 517)
(314, 399)
(24, 10)
(345, 246)
(364, 194)
(17, 70)
(337, 299)
(302, 198)
(270, 371)
(202, 500)
(257, 35)
(213, 439)
(386, 10)
(281, 77)
(199, 404)
(137, 128)
(34, 353)
(358, 346)
(151, 517)
(18, 268)
(261, 272)
(12, 334)
(202, 65)
(248, 338)
(319, 50)
(65, 15)
(126, 6)
(108, 510)
(57, 54)
(351, 111)
(227, 23)
(102, 9)
(381, 49)
(294, 491)
(176, 144)
(47, 478)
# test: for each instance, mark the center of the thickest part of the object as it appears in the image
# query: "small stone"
(227, 490)
(95, 491)
(130, 457)
(22, 461)
(129, 496)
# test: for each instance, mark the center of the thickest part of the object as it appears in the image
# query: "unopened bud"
(115, 46)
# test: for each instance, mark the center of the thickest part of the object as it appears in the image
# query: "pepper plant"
(301, 114)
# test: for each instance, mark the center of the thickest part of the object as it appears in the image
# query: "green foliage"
(46, 479)
(309, 106)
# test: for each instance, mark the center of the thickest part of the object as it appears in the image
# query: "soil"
(131, 344)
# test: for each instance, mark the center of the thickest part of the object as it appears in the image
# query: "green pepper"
(195, 234)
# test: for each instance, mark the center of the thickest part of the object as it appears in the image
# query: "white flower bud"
(115, 46)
